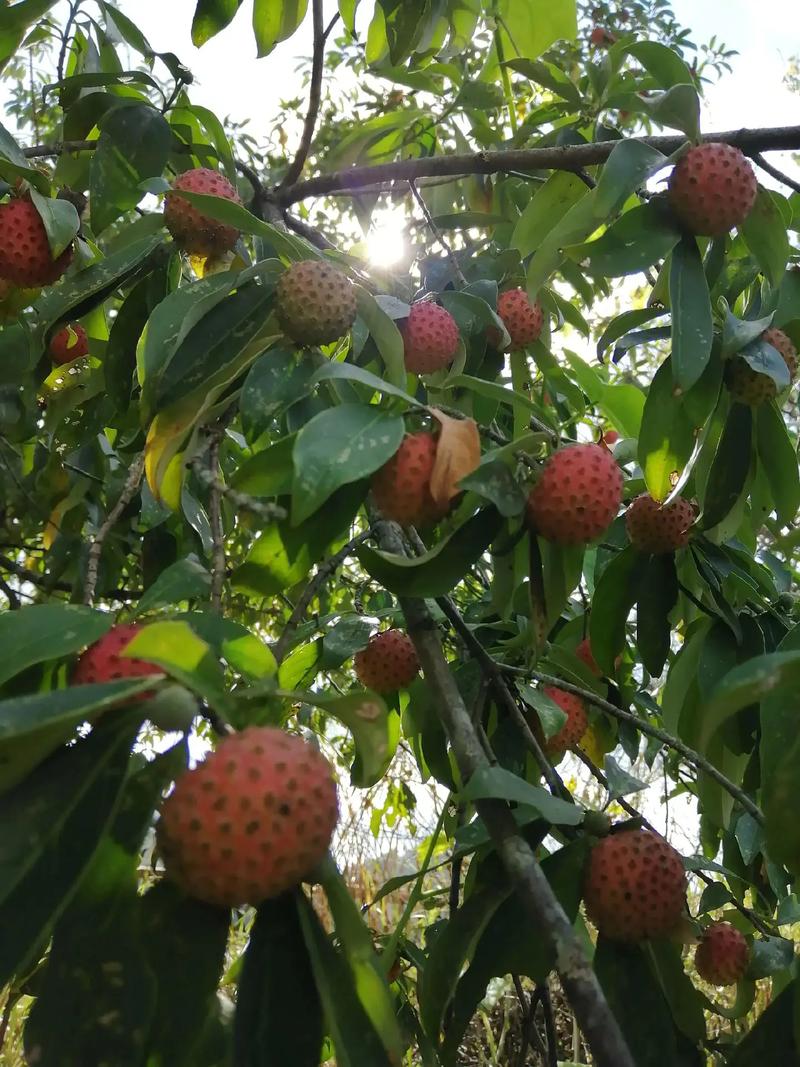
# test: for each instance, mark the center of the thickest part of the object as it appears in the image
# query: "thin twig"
(528, 1007)
(62, 53)
(10, 595)
(303, 229)
(11, 1000)
(217, 533)
(267, 511)
(543, 995)
(437, 233)
(44, 581)
(324, 572)
(645, 727)
(126, 496)
(778, 175)
(542, 906)
(295, 168)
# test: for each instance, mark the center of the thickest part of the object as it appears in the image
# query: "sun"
(386, 241)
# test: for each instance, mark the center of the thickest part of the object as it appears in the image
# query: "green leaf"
(278, 379)
(47, 631)
(747, 684)
(638, 238)
(494, 391)
(527, 35)
(210, 17)
(684, 1000)
(770, 955)
(241, 649)
(133, 146)
(185, 942)
(692, 326)
(356, 1041)
(496, 783)
(764, 358)
(54, 821)
(495, 482)
(576, 225)
(275, 20)
(736, 333)
(730, 466)
(619, 587)
(330, 371)
(628, 167)
(773, 1039)
(622, 323)
(339, 446)
(659, 597)
(375, 731)
(184, 656)
(764, 232)
(14, 22)
(678, 108)
(187, 579)
(277, 977)
(60, 221)
(778, 456)
(384, 332)
(269, 472)
(233, 214)
(663, 62)
(620, 783)
(438, 571)
(549, 204)
(550, 715)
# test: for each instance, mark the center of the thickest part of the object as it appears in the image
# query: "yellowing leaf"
(458, 453)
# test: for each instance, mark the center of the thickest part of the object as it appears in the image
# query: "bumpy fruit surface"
(251, 821)
(577, 495)
(389, 662)
(584, 654)
(712, 189)
(103, 661)
(194, 232)
(723, 954)
(69, 343)
(316, 302)
(573, 729)
(635, 886)
(401, 487)
(430, 338)
(749, 386)
(521, 318)
(25, 256)
(657, 528)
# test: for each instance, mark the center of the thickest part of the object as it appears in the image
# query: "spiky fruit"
(584, 654)
(577, 495)
(658, 528)
(401, 487)
(389, 662)
(749, 386)
(69, 343)
(430, 338)
(573, 729)
(521, 318)
(251, 821)
(194, 232)
(635, 886)
(712, 189)
(315, 303)
(103, 661)
(723, 954)
(25, 256)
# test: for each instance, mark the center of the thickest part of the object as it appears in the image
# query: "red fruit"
(25, 256)
(193, 231)
(69, 343)
(712, 189)
(659, 528)
(315, 302)
(251, 821)
(577, 495)
(401, 487)
(573, 729)
(610, 437)
(430, 338)
(778, 339)
(723, 954)
(389, 662)
(600, 37)
(635, 886)
(584, 654)
(103, 662)
(521, 318)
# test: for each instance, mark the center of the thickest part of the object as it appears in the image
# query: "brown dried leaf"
(458, 453)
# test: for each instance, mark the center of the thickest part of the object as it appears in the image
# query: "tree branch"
(126, 496)
(217, 532)
(268, 512)
(568, 157)
(295, 168)
(578, 979)
(778, 175)
(437, 233)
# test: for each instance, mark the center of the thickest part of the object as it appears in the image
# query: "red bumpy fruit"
(315, 302)
(723, 954)
(635, 886)
(69, 343)
(25, 256)
(389, 662)
(251, 821)
(194, 232)
(610, 437)
(600, 37)
(712, 189)
(584, 654)
(401, 487)
(659, 528)
(103, 662)
(430, 338)
(749, 386)
(577, 495)
(573, 729)
(521, 318)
